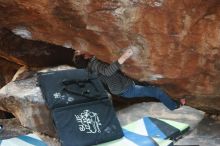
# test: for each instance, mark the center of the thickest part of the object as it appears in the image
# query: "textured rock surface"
(24, 100)
(12, 128)
(32, 53)
(184, 114)
(207, 133)
(7, 71)
(178, 39)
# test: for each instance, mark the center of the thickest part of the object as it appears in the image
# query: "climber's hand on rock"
(128, 53)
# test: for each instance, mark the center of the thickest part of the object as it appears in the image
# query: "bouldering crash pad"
(150, 131)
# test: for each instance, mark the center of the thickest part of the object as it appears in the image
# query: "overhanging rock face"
(178, 40)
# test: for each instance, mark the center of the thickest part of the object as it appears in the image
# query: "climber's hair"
(79, 60)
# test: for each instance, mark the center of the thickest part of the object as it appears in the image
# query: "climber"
(119, 84)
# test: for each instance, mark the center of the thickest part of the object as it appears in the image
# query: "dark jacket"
(110, 75)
